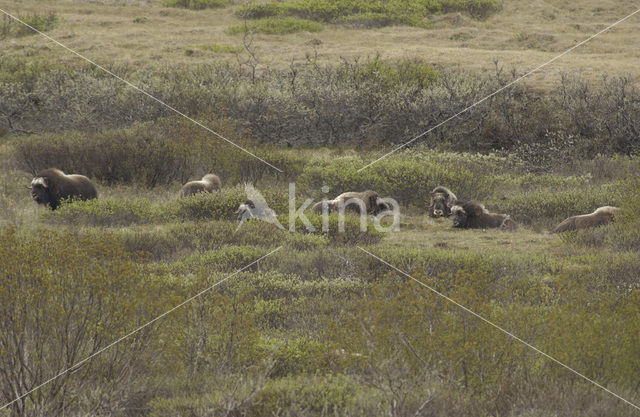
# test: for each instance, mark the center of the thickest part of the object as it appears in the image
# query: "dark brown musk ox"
(355, 201)
(208, 184)
(51, 186)
(473, 215)
(441, 201)
(601, 216)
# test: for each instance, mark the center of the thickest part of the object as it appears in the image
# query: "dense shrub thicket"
(359, 102)
(64, 296)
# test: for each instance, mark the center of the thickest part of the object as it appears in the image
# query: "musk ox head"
(459, 216)
(40, 192)
(508, 224)
(245, 210)
(439, 207)
(441, 201)
(381, 206)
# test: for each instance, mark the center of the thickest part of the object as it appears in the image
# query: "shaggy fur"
(51, 186)
(601, 216)
(441, 201)
(208, 184)
(370, 200)
(473, 215)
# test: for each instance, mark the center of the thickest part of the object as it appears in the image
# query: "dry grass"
(522, 35)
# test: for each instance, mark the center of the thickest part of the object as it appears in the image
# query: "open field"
(211, 317)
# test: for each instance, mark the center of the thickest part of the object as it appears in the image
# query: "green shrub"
(105, 212)
(146, 153)
(411, 12)
(412, 72)
(40, 22)
(228, 258)
(319, 395)
(549, 206)
(197, 4)
(222, 204)
(378, 20)
(79, 294)
(277, 26)
(406, 177)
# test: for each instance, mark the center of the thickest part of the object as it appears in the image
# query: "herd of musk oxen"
(51, 186)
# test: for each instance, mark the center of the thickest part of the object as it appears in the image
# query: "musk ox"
(51, 186)
(207, 184)
(601, 216)
(441, 201)
(355, 201)
(473, 215)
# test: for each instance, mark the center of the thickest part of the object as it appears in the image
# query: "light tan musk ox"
(355, 201)
(473, 215)
(51, 186)
(208, 184)
(601, 216)
(441, 201)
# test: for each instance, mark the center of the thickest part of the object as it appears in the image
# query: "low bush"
(68, 289)
(41, 22)
(277, 26)
(406, 177)
(360, 102)
(549, 206)
(197, 4)
(411, 12)
(316, 395)
(105, 212)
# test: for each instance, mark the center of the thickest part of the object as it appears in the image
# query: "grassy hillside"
(520, 35)
(307, 323)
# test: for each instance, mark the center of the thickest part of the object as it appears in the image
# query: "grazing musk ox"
(354, 201)
(50, 186)
(207, 184)
(473, 215)
(601, 216)
(441, 201)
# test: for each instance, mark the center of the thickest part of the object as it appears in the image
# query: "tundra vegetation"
(318, 327)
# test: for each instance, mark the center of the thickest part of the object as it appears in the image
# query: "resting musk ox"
(369, 199)
(207, 184)
(601, 216)
(51, 186)
(473, 215)
(441, 201)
